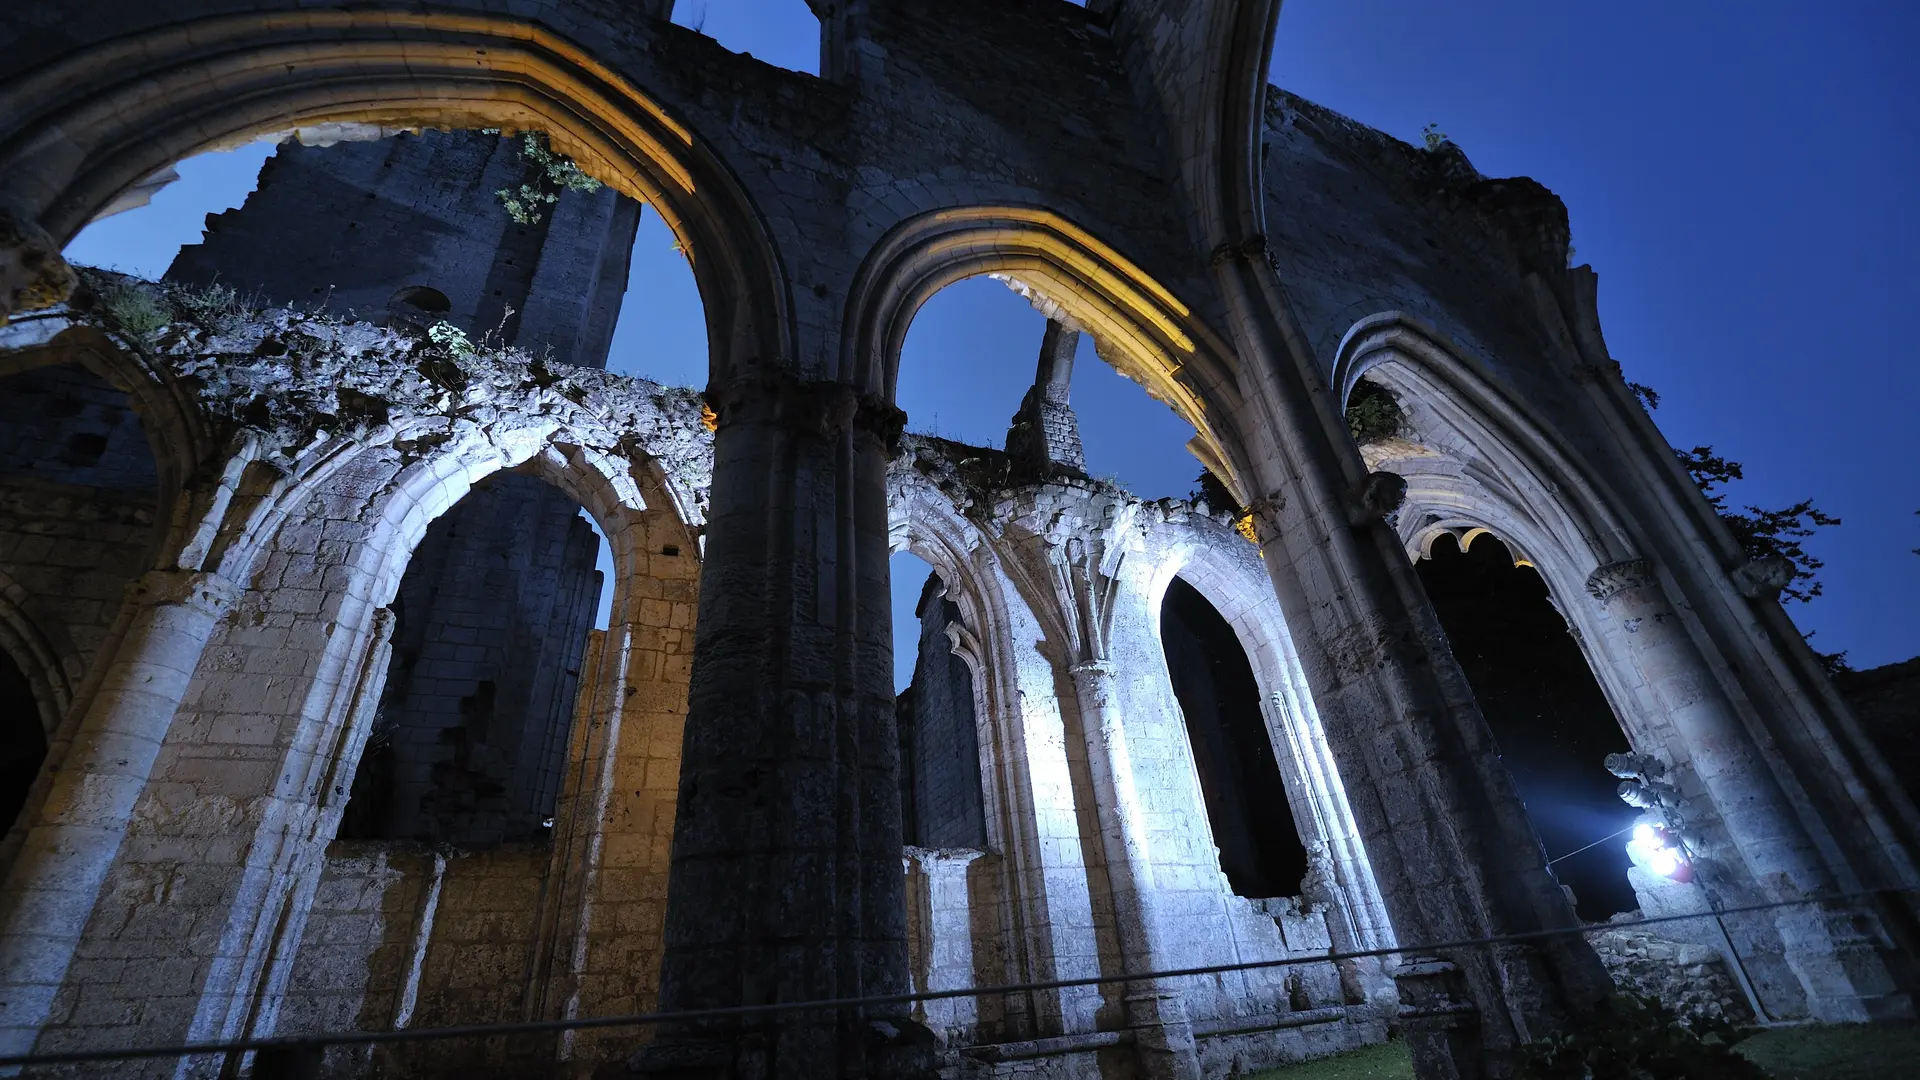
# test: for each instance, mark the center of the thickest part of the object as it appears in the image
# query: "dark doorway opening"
(1548, 714)
(23, 742)
(1260, 850)
(941, 805)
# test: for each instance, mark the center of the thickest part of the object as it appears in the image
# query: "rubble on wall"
(292, 379)
(1689, 978)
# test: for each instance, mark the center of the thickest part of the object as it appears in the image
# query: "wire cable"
(534, 1027)
(1591, 846)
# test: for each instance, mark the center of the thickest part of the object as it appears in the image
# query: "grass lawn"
(1839, 1052)
(1387, 1061)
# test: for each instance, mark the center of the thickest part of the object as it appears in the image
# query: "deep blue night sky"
(1742, 177)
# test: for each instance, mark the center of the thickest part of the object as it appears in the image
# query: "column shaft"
(51, 889)
(1163, 1036)
(1833, 949)
(786, 882)
(1447, 836)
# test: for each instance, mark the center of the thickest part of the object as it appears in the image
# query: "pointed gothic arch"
(93, 123)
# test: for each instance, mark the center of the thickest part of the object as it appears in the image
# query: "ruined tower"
(492, 616)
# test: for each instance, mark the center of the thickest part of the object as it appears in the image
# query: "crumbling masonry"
(214, 517)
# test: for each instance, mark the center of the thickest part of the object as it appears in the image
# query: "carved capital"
(1262, 518)
(1379, 497)
(1253, 249)
(33, 274)
(821, 408)
(1763, 578)
(1615, 578)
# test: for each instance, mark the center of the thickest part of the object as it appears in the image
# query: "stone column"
(1445, 832)
(52, 887)
(938, 882)
(1045, 436)
(1163, 1036)
(1833, 948)
(785, 882)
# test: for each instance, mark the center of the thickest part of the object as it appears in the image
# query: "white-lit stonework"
(213, 592)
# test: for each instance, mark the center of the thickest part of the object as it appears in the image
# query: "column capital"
(208, 592)
(823, 408)
(1615, 578)
(33, 274)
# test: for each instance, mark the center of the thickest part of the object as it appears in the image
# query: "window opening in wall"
(967, 370)
(469, 740)
(23, 741)
(1548, 714)
(784, 33)
(419, 229)
(1246, 800)
(142, 231)
(940, 795)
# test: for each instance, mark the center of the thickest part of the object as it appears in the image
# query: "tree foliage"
(1763, 533)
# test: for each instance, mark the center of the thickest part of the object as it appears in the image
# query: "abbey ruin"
(309, 730)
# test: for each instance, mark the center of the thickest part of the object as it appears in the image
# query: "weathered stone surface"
(1244, 255)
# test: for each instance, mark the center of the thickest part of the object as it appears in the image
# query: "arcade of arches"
(308, 727)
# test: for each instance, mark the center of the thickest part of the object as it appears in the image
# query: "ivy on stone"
(548, 174)
(1372, 413)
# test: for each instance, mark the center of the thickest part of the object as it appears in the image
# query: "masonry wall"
(78, 487)
(473, 724)
(350, 225)
(403, 936)
(942, 772)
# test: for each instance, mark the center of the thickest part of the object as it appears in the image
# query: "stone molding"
(1615, 578)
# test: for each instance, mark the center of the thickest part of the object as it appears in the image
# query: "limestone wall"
(1690, 978)
(78, 486)
(404, 936)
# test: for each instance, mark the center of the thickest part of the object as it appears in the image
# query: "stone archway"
(98, 119)
(1480, 460)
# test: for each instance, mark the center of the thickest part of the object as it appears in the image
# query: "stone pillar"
(1045, 436)
(785, 881)
(1163, 1036)
(940, 895)
(1445, 832)
(52, 887)
(1834, 948)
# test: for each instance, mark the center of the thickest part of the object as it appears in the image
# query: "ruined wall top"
(290, 381)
